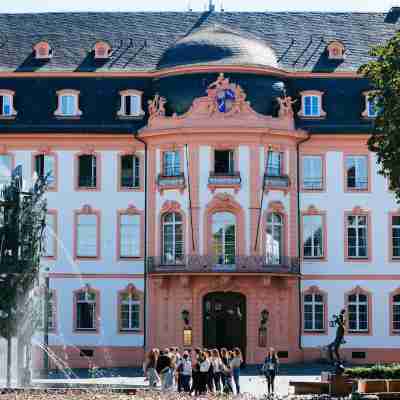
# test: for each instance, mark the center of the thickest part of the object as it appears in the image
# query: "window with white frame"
(172, 234)
(311, 106)
(312, 172)
(357, 236)
(86, 235)
(50, 236)
(87, 171)
(171, 163)
(5, 168)
(357, 172)
(274, 238)
(6, 105)
(129, 230)
(313, 312)
(396, 312)
(395, 236)
(131, 104)
(224, 162)
(86, 310)
(45, 165)
(129, 312)
(313, 246)
(130, 171)
(68, 103)
(274, 163)
(358, 312)
(224, 237)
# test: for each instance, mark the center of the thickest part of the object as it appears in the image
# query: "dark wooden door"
(224, 320)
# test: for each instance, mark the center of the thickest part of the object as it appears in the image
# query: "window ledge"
(68, 117)
(130, 189)
(86, 258)
(322, 258)
(311, 117)
(133, 258)
(314, 332)
(76, 330)
(87, 189)
(8, 117)
(131, 117)
(127, 331)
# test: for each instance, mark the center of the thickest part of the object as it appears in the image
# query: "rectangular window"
(5, 105)
(45, 166)
(51, 308)
(396, 313)
(129, 236)
(358, 312)
(274, 163)
(313, 246)
(87, 170)
(50, 236)
(68, 104)
(5, 168)
(396, 236)
(313, 312)
(86, 311)
(86, 235)
(357, 236)
(357, 172)
(130, 171)
(312, 173)
(224, 162)
(311, 106)
(130, 313)
(172, 164)
(132, 105)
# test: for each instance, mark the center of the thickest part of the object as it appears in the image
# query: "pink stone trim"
(131, 152)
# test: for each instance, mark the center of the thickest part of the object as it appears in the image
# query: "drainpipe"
(145, 241)
(190, 197)
(299, 231)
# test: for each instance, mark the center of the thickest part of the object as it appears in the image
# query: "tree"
(384, 74)
(22, 223)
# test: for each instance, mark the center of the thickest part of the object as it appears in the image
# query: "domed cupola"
(217, 45)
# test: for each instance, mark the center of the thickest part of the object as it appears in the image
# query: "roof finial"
(211, 6)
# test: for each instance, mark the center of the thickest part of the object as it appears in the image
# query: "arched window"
(274, 239)
(224, 237)
(172, 234)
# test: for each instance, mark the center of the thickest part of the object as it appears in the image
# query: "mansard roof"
(145, 41)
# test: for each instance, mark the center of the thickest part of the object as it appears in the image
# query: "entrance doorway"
(224, 320)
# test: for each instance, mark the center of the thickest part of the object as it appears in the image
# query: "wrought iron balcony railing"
(228, 178)
(173, 180)
(276, 181)
(209, 263)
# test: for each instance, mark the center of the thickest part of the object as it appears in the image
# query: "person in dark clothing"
(195, 372)
(210, 374)
(226, 375)
(164, 370)
(270, 368)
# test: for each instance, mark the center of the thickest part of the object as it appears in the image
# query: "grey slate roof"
(140, 40)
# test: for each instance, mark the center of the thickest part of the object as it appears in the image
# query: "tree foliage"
(384, 74)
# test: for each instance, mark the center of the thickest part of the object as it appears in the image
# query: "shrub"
(378, 371)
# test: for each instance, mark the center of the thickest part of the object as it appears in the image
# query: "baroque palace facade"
(211, 185)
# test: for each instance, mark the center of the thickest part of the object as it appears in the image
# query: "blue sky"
(197, 5)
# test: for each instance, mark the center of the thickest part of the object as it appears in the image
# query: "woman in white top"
(235, 364)
(203, 374)
(217, 369)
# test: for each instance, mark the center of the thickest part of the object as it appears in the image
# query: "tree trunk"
(9, 345)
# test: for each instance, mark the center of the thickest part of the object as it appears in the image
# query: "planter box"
(372, 385)
(310, 387)
(393, 385)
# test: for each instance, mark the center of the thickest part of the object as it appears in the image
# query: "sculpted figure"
(334, 347)
(285, 106)
(156, 106)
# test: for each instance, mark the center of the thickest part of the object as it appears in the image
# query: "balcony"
(223, 180)
(165, 182)
(208, 263)
(276, 182)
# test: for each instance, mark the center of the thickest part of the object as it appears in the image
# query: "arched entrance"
(224, 320)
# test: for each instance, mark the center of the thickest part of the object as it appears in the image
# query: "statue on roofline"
(156, 106)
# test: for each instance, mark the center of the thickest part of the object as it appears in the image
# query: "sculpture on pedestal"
(334, 347)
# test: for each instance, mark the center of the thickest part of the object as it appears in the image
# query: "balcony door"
(224, 239)
(224, 320)
(274, 239)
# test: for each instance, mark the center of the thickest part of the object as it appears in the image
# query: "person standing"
(217, 369)
(204, 368)
(226, 372)
(196, 372)
(270, 368)
(235, 365)
(184, 370)
(150, 365)
(164, 370)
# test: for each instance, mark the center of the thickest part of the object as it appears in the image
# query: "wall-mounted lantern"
(262, 330)
(185, 316)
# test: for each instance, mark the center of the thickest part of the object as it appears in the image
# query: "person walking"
(235, 365)
(150, 365)
(270, 367)
(184, 370)
(164, 370)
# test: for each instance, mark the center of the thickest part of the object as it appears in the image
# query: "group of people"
(202, 370)
(195, 371)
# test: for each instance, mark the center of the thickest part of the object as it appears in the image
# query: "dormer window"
(43, 51)
(102, 50)
(131, 104)
(68, 103)
(372, 109)
(7, 104)
(311, 104)
(335, 50)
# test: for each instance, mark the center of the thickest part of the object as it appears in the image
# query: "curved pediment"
(224, 106)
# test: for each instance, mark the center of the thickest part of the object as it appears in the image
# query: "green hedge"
(375, 372)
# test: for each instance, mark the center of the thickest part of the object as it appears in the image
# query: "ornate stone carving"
(87, 209)
(276, 206)
(156, 106)
(132, 209)
(170, 206)
(285, 106)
